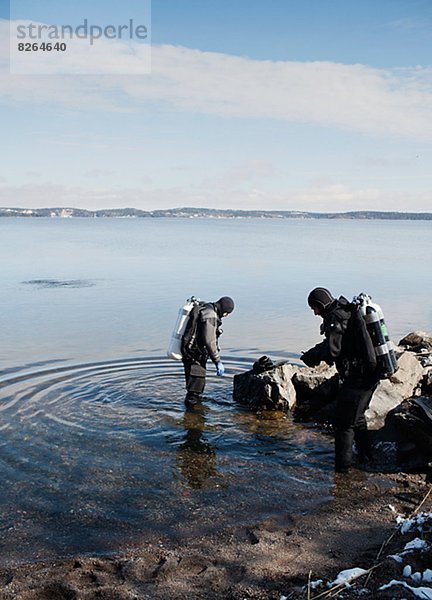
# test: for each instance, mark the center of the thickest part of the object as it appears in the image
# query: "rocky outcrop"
(399, 416)
(311, 391)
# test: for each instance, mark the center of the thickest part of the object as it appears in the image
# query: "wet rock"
(270, 390)
(312, 391)
(391, 392)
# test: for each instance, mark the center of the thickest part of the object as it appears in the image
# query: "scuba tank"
(174, 348)
(372, 313)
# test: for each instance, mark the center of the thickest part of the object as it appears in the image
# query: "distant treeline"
(210, 213)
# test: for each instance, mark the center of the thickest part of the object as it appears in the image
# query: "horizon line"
(212, 209)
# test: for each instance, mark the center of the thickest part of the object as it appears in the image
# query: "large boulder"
(391, 392)
(270, 390)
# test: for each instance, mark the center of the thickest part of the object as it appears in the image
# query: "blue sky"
(279, 104)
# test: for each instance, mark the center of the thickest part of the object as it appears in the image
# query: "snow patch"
(347, 575)
(421, 592)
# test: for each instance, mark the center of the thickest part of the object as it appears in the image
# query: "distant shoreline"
(214, 213)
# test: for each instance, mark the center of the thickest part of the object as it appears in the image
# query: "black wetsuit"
(204, 347)
(342, 346)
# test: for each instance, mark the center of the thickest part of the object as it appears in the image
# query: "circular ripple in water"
(98, 456)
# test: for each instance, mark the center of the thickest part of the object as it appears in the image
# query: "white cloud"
(350, 97)
(240, 174)
(320, 196)
(95, 173)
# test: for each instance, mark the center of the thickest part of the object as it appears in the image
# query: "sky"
(316, 105)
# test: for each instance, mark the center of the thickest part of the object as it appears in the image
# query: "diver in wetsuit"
(201, 344)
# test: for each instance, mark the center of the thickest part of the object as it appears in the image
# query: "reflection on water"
(196, 458)
(96, 456)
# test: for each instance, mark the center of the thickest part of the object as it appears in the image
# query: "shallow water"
(95, 456)
(96, 449)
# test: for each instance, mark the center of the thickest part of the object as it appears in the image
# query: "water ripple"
(59, 283)
(98, 455)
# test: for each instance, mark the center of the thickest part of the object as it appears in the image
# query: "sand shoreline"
(264, 560)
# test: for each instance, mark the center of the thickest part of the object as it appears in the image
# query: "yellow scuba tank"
(174, 347)
(372, 313)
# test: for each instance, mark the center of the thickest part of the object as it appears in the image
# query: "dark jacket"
(342, 345)
(208, 331)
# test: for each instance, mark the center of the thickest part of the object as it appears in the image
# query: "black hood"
(224, 305)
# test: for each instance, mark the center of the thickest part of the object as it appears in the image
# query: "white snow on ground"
(347, 575)
(407, 572)
(426, 576)
(410, 547)
(421, 523)
(416, 522)
(420, 592)
(416, 544)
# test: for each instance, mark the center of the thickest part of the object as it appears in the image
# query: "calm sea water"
(96, 450)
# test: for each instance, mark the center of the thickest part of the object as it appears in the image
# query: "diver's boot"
(192, 399)
(364, 448)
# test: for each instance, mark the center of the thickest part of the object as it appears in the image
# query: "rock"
(417, 338)
(312, 391)
(419, 342)
(315, 388)
(427, 383)
(391, 392)
(414, 419)
(271, 390)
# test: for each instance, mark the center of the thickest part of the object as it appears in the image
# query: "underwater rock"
(269, 390)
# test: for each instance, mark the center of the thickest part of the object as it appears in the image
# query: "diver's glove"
(263, 364)
(220, 369)
(310, 358)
